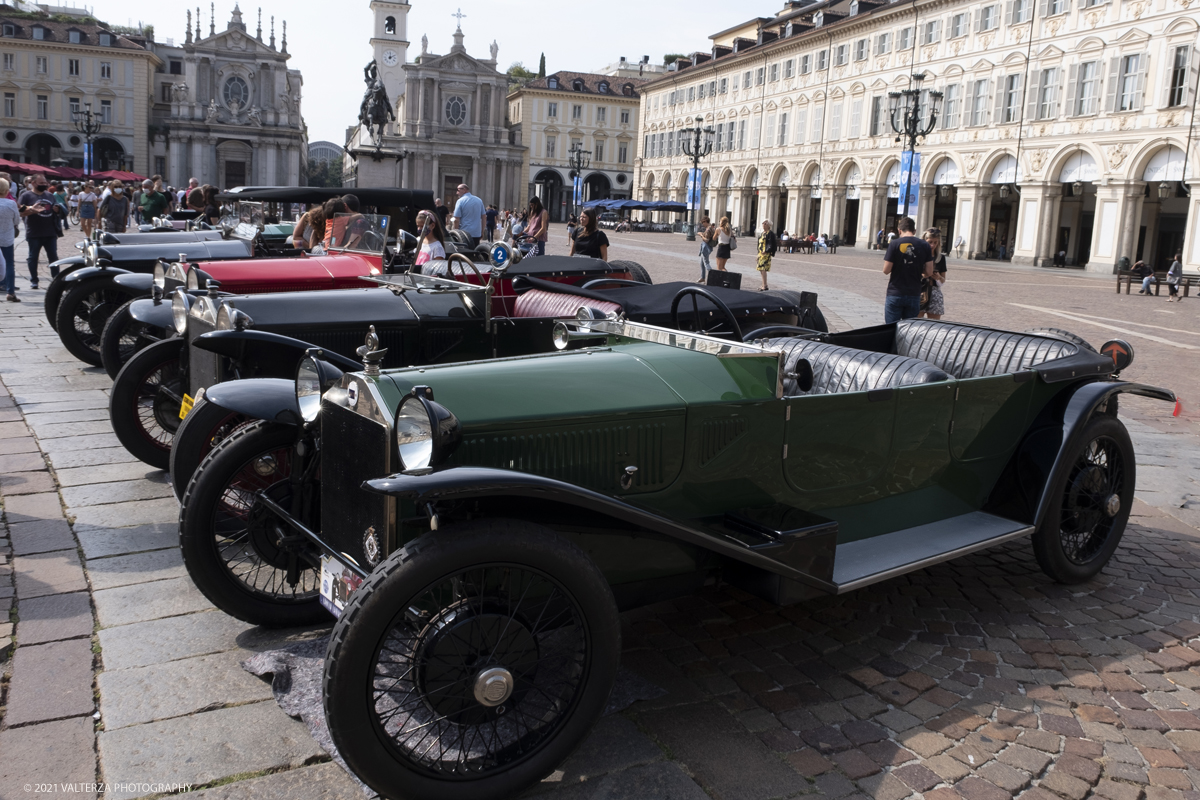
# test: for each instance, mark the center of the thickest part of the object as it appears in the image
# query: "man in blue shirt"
(469, 213)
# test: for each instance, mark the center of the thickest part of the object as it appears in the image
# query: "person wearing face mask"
(114, 209)
(40, 210)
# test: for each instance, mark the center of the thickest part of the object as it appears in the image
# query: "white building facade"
(1063, 131)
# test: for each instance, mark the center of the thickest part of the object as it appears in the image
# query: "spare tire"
(1066, 336)
(635, 270)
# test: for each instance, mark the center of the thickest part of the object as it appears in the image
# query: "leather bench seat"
(538, 303)
(846, 369)
(969, 352)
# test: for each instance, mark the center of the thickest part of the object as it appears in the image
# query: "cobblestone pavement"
(978, 678)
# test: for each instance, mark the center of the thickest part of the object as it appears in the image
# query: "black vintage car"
(91, 287)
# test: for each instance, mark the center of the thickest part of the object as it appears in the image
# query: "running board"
(878, 558)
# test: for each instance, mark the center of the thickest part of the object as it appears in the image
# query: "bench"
(965, 351)
(1127, 278)
(846, 369)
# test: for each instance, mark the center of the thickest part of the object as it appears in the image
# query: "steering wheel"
(372, 240)
(454, 257)
(701, 291)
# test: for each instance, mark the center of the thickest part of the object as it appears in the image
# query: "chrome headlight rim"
(160, 274)
(180, 309)
(426, 432)
(91, 253)
(314, 377)
(192, 281)
(230, 317)
(204, 308)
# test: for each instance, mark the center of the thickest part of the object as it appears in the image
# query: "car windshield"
(249, 220)
(363, 233)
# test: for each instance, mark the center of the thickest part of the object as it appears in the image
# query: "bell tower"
(390, 45)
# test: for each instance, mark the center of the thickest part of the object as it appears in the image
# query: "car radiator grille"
(717, 434)
(353, 449)
(204, 366)
(592, 457)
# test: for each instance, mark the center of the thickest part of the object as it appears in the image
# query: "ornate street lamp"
(1164, 190)
(912, 120)
(1004, 191)
(89, 125)
(1077, 189)
(697, 143)
(579, 159)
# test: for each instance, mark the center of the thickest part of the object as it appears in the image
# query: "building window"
(931, 32)
(986, 19)
(835, 122)
(1129, 82)
(10, 104)
(551, 141)
(741, 140)
(756, 132)
(905, 40)
(856, 118)
(10, 29)
(822, 60)
(622, 153)
(878, 120)
(576, 112)
(801, 121)
(42, 65)
(551, 109)
(1045, 94)
(74, 37)
(724, 85)
(951, 106)
(883, 44)
(106, 112)
(958, 25)
(10, 61)
(43, 106)
(1011, 100)
(770, 137)
(576, 144)
(774, 73)
(73, 103)
(73, 67)
(552, 82)
(175, 67)
(160, 165)
(783, 121)
(840, 54)
(106, 70)
(456, 111)
(598, 152)
(789, 68)
(625, 116)
(805, 65)
(1086, 78)
(1179, 72)
(166, 92)
(1022, 10)
(818, 124)
(1056, 7)
(712, 87)
(977, 97)
(601, 115)
(760, 76)
(106, 40)
(577, 85)
(39, 32)
(862, 48)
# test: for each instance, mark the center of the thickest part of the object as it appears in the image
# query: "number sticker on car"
(186, 406)
(337, 584)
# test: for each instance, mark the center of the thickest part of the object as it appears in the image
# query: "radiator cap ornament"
(370, 352)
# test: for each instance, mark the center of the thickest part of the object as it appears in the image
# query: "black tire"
(145, 401)
(205, 426)
(123, 336)
(1089, 505)
(490, 568)
(1066, 336)
(230, 543)
(54, 293)
(82, 314)
(635, 270)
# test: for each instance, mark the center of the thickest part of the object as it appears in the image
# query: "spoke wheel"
(145, 402)
(122, 337)
(240, 555)
(471, 662)
(206, 426)
(82, 313)
(1090, 505)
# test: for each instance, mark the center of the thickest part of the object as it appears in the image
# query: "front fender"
(68, 264)
(272, 399)
(93, 272)
(135, 282)
(149, 312)
(265, 347)
(789, 559)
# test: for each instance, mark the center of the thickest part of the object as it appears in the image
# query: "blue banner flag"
(578, 201)
(910, 183)
(695, 190)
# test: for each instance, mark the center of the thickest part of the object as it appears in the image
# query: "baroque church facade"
(450, 123)
(227, 108)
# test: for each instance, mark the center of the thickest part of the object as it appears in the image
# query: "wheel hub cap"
(1112, 505)
(493, 686)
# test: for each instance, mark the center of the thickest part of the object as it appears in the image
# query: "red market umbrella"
(119, 175)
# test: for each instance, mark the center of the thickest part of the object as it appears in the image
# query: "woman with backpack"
(725, 243)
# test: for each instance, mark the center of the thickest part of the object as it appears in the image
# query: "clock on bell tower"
(390, 44)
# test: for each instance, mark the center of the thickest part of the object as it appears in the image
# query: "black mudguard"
(68, 264)
(271, 399)
(265, 347)
(136, 282)
(465, 483)
(93, 272)
(153, 313)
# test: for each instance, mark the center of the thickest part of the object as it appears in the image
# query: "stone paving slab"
(41, 536)
(155, 565)
(86, 398)
(67, 444)
(61, 430)
(27, 507)
(97, 494)
(205, 747)
(613, 745)
(51, 681)
(49, 573)
(55, 617)
(13, 461)
(325, 781)
(64, 405)
(42, 421)
(49, 753)
(24, 445)
(136, 696)
(141, 602)
(14, 483)
(130, 471)
(661, 781)
(131, 513)
(99, 542)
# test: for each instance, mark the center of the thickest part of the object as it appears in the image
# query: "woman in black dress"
(589, 240)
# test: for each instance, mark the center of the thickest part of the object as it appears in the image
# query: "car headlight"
(313, 378)
(160, 274)
(230, 318)
(204, 308)
(195, 279)
(91, 252)
(179, 310)
(426, 432)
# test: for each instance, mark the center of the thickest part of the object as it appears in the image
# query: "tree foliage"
(542, 66)
(325, 173)
(671, 58)
(518, 76)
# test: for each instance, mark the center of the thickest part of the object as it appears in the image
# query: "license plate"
(337, 584)
(186, 406)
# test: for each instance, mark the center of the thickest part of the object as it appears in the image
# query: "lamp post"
(579, 159)
(912, 120)
(89, 125)
(696, 145)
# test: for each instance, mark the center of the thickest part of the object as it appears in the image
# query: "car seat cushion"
(966, 351)
(539, 303)
(839, 369)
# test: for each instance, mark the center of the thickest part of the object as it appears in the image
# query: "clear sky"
(329, 40)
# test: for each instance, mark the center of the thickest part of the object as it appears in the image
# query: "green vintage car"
(478, 526)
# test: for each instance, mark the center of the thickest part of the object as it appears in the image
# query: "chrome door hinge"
(785, 451)
(787, 417)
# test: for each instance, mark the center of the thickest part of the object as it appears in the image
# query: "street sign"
(910, 183)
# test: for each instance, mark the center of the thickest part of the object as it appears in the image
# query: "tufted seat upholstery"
(846, 369)
(538, 303)
(969, 352)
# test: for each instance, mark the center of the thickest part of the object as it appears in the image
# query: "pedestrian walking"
(1174, 274)
(725, 243)
(538, 227)
(589, 240)
(933, 303)
(906, 261)
(441, 210)
(491, 214)
(469, 214)
(114, 209)
(706, 237)
(40, 211)
(10, 225)
(768, 243)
